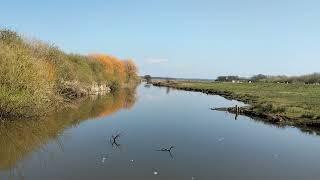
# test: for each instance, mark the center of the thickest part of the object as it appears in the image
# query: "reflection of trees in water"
(20, 137)
(168, 90)
(310, 130)
(123, 99)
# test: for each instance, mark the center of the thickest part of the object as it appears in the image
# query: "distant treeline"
(173, 79)
(34, 76)
(307, 79)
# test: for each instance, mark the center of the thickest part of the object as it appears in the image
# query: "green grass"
(299, 102)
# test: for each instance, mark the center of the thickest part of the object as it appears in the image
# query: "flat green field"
(299, 102)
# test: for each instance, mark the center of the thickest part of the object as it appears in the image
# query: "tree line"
(307, 79)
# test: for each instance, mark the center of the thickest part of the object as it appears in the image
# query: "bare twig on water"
(167, 150)
(113, 140)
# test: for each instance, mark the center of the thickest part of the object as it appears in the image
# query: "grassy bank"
(36, 77)
(299, 104)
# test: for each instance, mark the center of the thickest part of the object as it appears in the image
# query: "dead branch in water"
(113, 140)
(167, 150)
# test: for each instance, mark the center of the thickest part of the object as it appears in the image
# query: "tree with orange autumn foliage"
(130, 69)
(121, 70)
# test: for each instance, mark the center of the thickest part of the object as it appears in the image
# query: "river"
(78, 144)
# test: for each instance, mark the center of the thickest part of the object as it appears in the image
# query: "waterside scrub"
(36, 77)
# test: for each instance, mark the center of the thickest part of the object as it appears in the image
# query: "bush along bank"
(36, 77)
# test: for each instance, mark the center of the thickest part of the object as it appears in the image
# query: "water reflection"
(18, 138)
(309, 130)
(147, 85)
(165, 136)
(168, 90)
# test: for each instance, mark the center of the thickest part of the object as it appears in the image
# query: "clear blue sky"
(180, 38)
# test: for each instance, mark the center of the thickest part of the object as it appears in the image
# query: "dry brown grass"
(32, 73)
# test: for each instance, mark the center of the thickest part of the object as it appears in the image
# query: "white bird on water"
(103, 159)
(155, 172)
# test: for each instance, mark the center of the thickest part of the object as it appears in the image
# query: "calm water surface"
(75, 144)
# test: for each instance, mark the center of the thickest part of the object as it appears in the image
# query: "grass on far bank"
(299, 102)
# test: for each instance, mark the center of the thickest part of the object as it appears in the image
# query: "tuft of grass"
(308, 115)
(265, 108)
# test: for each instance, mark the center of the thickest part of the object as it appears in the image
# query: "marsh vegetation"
(298, 102)
(37, 77)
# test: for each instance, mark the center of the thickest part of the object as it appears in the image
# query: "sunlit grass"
(34, 75)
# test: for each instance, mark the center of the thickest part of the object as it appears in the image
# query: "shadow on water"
(309, 130)
(18, 138)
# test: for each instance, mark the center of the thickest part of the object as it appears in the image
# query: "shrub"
(114, 85)
(24, 82)
(34, 75)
